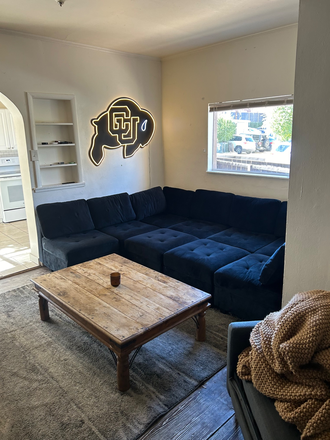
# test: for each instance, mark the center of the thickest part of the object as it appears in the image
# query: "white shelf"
(59, 186)
(53, 123)
(55, 145)
(58, 165)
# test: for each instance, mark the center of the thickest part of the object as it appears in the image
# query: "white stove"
(12, 207)
(9, 167)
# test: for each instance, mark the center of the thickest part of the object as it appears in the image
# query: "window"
(251, 136)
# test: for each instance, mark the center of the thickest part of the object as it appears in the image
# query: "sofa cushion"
(127, 230)
(194, 263)
(211, 206)
(270, 248)
(280, 225)
(238, 291)
(149, 202)
(164, 220)
(77, 248)
(148, 249)
(198, 228)
(249, 241)
(254, 214)
(178, 201)
(64, 218)
(272, 270)
(111, 210)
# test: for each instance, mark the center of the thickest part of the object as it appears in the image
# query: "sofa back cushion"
(280, 226)
(254, 214)
(272, 270)
(149, 202)
(64, 218)
(211, 206)
(111, 210)
(178, 201)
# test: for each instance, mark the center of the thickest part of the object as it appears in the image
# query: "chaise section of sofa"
(238, 291)
(68, 235)
(194, 263)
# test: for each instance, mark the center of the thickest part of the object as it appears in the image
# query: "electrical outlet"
(34, 155)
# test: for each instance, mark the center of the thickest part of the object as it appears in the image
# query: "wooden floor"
(15, 281)
(207, 414)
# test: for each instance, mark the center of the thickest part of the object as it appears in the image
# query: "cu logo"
(124, 124)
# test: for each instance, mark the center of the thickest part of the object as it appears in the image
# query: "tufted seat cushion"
(76, 248)
(148, 249)
(250, 241)
(200, 229)
(195, 263)
(237, 289)
(127, 230)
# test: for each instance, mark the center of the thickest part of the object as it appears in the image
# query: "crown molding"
(226, 41)
(79, 45)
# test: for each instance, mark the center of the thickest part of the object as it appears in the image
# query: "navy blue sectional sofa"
(227, 245)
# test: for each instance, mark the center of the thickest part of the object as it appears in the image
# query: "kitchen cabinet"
(7, 133)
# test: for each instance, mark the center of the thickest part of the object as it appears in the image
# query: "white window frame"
(239, 105)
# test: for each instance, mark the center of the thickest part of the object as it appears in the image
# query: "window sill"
(233, 173)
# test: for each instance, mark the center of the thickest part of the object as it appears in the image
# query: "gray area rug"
(57, 382)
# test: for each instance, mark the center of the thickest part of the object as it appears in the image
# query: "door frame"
(25, 172)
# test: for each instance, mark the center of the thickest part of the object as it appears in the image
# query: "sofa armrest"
(238, 339)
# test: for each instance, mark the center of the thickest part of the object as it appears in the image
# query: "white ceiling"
(149, 27)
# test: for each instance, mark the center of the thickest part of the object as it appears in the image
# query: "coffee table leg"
(43, 308)
(201, 328)
(123, 372)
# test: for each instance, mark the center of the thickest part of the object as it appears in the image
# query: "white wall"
(95, 77)
(308, 247)
(252, 67)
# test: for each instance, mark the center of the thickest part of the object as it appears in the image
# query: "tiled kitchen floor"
(14, 248)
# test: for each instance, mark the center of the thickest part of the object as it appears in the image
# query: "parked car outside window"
(242, 144)
(282, 152)
(265, 143)
(283, 146)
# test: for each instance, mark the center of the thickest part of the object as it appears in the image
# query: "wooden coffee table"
(145, 305)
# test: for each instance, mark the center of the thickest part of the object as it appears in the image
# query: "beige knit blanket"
(289, 361)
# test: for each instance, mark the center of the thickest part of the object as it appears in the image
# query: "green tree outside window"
(225, 130)
(282, 122)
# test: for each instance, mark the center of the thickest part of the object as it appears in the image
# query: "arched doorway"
(25, 172)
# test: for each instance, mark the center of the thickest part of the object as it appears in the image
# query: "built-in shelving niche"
(55, 141)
